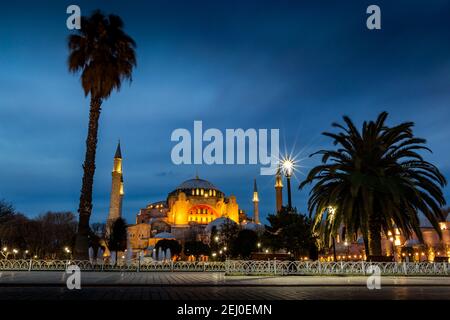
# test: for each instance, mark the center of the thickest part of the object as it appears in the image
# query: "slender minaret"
(121, 193)
(279, 190)
(255, 203)
(115, 204)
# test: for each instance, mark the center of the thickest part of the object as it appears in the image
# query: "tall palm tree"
(105, 56)
(374, 181)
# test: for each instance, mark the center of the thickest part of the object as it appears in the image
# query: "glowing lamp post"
(288, 167)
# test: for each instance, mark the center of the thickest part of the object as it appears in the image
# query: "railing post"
(275, 266)
(405, 269)
(171, 265)
(31, 263)
(320, 267)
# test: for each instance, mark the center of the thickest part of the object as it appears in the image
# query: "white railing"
(242, 267)
(131, 266)
(334, 268)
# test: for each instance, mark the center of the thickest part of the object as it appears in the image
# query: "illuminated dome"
(196, 183)
(198, 187)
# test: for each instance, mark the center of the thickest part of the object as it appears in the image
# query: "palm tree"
(105, 56)
(374, 181)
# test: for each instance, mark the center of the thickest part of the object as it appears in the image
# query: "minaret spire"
(118, 154)
(255, 203)
(278, 190)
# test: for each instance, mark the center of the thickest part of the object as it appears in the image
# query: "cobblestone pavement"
(214, 286)
(43, 278)
(223, 293)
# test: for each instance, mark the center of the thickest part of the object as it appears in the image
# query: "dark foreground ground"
(215, 286)
(224, 293)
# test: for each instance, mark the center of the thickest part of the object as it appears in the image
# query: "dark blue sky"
(293, 65)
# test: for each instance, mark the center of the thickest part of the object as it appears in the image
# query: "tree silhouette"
(373, 181)
(105, 56)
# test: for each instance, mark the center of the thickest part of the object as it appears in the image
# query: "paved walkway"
(213, 286)
(55, 278)
(224, 293)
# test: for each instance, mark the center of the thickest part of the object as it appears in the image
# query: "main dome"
(196, 183)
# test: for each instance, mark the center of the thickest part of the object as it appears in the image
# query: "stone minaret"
(279, 190)
(115, 204)
(255, 203)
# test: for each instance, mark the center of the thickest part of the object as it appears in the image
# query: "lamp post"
(68, 252)
(288, 167)
(347, 245)
(5, 252)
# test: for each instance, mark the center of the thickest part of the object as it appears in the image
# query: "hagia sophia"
(189, 212)
(196, 206)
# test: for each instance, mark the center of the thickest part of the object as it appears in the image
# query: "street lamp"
(288, 165)
(346, 244)
(67, 251)
(5, 252)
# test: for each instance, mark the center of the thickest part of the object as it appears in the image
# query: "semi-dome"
(254, 227)
(412, 243)
(164, 235)
(196, 183)
(218, 223)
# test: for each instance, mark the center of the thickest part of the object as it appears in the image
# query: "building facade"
(188, 209)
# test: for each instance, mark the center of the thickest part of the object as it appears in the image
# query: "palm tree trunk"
(334, 250)
(366, 244)
(85, 207)
(374, 236)
(365, 235)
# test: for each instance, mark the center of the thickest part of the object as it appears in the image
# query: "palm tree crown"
(373, 181)
(104, 54)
